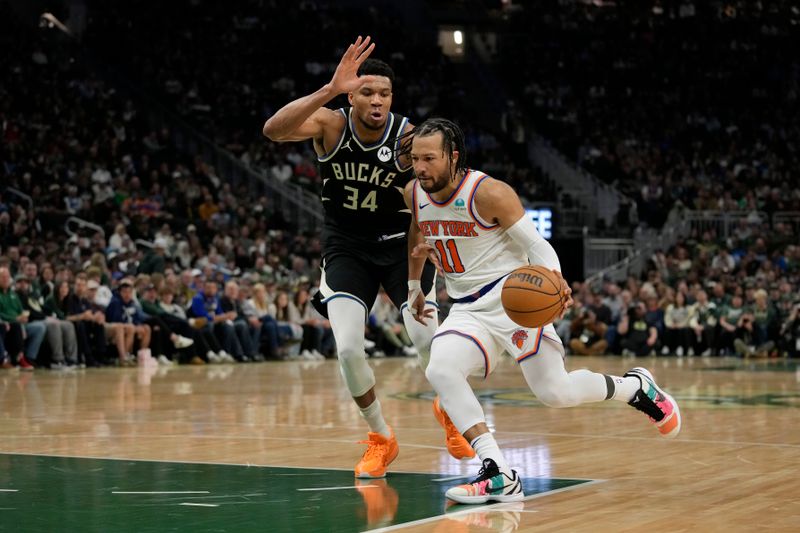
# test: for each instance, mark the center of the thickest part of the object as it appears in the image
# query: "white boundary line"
(451, 478)
(160, 492)
(312, 489)
(199, 504)
(9, 490)
(481, 508)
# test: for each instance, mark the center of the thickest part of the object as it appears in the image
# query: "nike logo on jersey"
(423, 206)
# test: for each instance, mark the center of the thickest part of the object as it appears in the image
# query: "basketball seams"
(533, 310)
(538, 291)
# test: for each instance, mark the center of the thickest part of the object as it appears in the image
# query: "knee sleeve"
(347, 322)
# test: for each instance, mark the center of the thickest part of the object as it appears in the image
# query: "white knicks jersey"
(473, 252)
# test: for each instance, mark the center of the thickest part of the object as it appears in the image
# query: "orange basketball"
(532, 296)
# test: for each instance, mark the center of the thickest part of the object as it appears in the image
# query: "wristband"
(414, 284)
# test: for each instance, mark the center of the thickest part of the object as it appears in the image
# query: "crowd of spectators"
(704, 296)
(240, 71)
(198, 270)
(669, 100)
(73, 146)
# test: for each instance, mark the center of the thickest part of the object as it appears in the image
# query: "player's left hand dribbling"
(566, 293)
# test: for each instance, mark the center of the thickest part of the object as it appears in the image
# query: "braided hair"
(452, 141)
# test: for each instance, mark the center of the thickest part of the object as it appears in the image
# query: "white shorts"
(486, 323)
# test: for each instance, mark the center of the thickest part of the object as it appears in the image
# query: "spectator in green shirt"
(764, 318)
(22, 335)
(729, 321)
(704, 323)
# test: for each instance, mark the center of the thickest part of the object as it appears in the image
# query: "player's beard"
(437, 184)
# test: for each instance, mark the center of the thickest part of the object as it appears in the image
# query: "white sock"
(374, 418)
(486, 448)
(624, 388)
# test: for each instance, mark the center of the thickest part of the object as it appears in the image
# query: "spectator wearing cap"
(60, 333)
(22, 333)
(89, 322)
(117, 333)
(123, 310)
(206, 304)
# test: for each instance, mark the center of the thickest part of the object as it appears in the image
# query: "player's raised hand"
(346, 78)
(566, 292)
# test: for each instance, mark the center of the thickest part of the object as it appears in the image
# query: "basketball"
(532, 296)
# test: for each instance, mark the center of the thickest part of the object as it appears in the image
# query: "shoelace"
(374, 448)
(643, 403)
(481, 473)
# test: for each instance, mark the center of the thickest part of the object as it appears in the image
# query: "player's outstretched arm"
(306, 118)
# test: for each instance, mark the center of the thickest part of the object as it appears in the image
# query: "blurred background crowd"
(115, 236)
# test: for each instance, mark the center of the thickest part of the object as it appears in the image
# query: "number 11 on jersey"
(449, 258)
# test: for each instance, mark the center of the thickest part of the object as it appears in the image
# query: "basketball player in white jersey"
(476, 229)
(365, 227)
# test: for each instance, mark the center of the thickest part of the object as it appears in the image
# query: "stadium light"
(458, 37)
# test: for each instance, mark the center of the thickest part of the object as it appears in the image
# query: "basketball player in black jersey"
(364, 236)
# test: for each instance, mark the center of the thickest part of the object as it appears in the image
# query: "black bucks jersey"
(362, 186)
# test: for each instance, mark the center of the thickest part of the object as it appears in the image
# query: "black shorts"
(353, 273)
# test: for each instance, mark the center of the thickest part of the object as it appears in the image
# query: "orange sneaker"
(457, 445)
(381, 451)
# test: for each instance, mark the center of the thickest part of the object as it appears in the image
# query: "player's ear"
(350, 98)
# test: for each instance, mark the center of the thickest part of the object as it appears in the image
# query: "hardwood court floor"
(735, 466)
